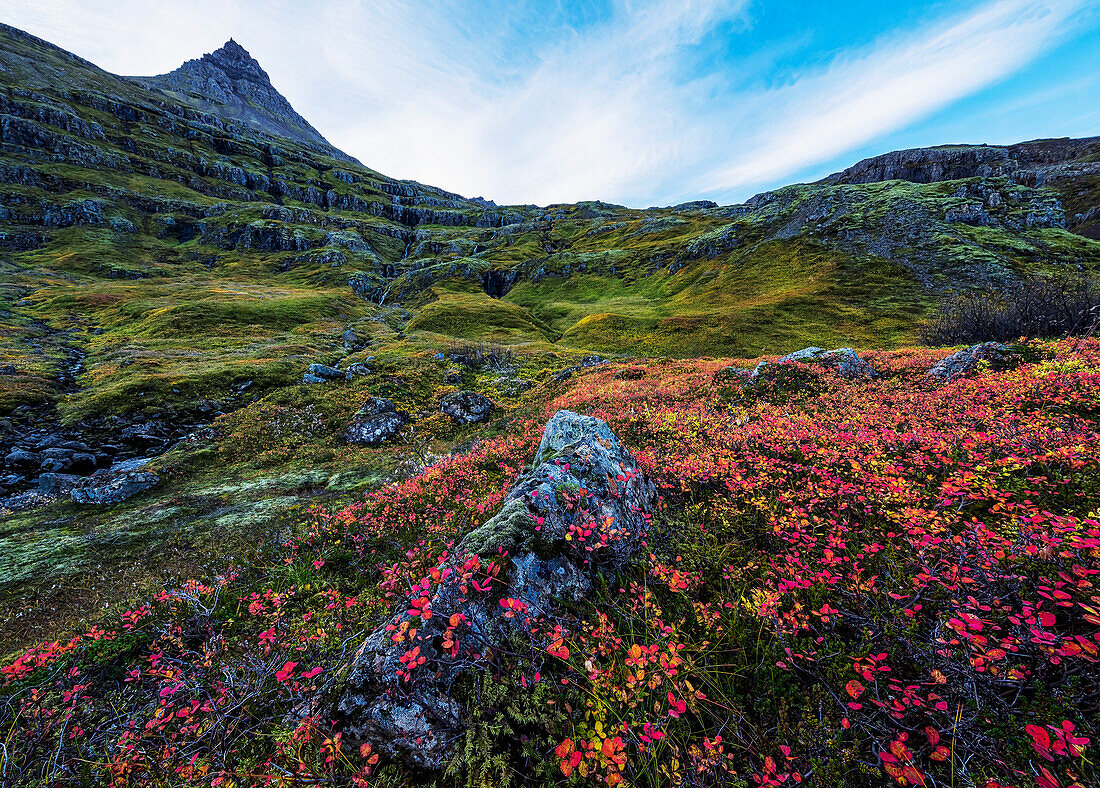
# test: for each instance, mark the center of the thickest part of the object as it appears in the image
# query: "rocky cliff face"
(1070, 167)
(230, 82)
(1031, 163)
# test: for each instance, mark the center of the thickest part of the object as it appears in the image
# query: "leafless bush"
(477, 355)
(1040, 306)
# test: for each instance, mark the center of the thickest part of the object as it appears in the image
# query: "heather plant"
(882, 581)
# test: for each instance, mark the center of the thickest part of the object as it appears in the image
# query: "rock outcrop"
(466, 407)
(1031, 163)
(844, 361)
(116, 484)
(964, 362)
(374, 423)
(582, 508)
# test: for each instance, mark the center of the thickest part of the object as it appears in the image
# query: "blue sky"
(640, 102)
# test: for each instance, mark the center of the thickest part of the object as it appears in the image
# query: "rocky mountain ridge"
(1070, 167)
(230, 82)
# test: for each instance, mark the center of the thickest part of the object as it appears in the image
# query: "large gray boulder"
(844, 361)
(964, 362)
(375, 422)
(466, 407)
(118, 483)
(543, 560)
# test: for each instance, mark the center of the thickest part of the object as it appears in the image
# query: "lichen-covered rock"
(466, 407)
(581, 479)
(964, 362)
(115, 484)
(375, 422)
(325, 372)
(357, 370)
(57, 484)
(844, 361)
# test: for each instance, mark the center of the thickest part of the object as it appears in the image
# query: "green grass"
(468, 313)
(778, 297)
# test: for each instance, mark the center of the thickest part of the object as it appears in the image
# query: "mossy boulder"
(582, 509)
(963, 362)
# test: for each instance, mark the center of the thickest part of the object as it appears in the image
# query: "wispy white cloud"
(865, 95)
(528, 101)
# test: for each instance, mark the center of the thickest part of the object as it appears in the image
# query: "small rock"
(357, 371)
(57, 483)
(21, 458)
(512, 387)
(309, 379)
(82, 462)
(325, 372)
(466, 407)
(586, 362)
(55, 464)
(375, 422)
(844, 361)
(964, 362)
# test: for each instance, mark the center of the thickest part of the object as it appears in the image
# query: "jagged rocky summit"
(582, 507)
(229, 81)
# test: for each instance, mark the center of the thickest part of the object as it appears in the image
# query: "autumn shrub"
(866, 582)
(1041, 306)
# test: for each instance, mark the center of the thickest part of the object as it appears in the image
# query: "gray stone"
(83, 462)
(545, 565)
(21, 458)
(844, 361)
(326, 372)
(375, 422)
(56, 483)
(115, 484)
(357, 370)
(964, 362)
(466, 407)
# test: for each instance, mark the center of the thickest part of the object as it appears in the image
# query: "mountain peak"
(231, 83)
(234, 58)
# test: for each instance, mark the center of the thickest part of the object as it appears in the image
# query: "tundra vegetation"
(270, 426)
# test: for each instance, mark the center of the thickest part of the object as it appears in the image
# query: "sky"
(636, 102)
